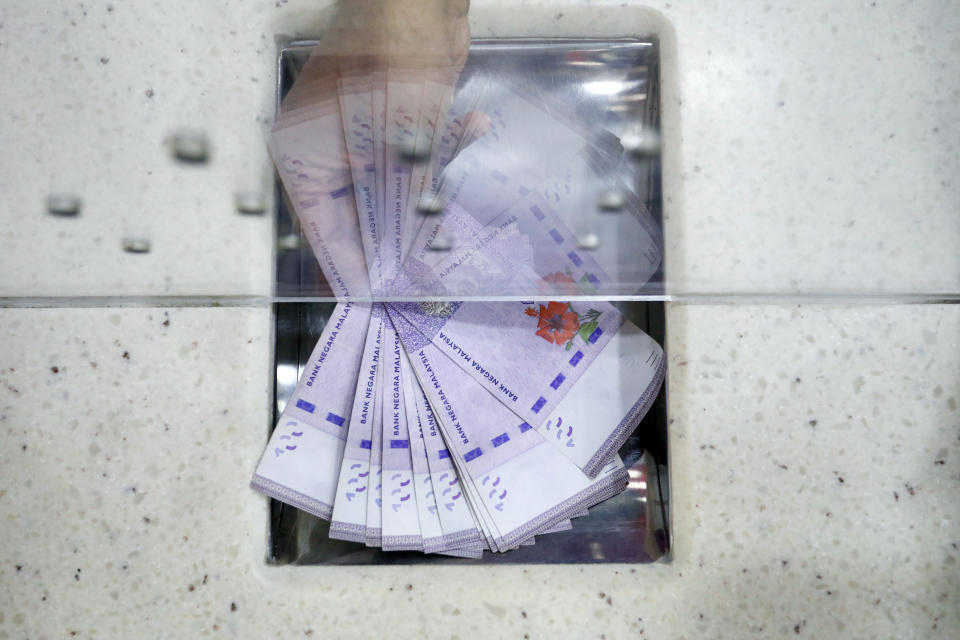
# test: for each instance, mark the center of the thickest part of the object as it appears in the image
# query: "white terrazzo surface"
(815, 468)
(811, 146)
(819, 153)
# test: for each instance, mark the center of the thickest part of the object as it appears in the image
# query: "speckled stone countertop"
(810, 147)
(815, 451)
(815, 470)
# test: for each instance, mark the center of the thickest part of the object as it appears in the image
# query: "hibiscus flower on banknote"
(559, 323)
(556, 322)
(558, 282)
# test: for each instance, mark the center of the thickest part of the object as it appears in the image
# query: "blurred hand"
(369, 35)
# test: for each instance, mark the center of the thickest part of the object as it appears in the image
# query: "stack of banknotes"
(471, 388)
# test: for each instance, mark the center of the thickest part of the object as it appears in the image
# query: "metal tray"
(632, 527)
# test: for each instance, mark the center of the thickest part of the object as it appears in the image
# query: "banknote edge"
(619, 435)
(347, 531)
(590, 496)
(401, 543)
(291, 497)
(470, 553)
(433, 545)
(461, 539)
(372, 536)
(563, 525)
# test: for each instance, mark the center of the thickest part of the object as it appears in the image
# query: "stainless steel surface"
(430, 205)
(588, 241)
(190, 146)
(611, 201)
(250, 202)
(136, 245)
(63, 204)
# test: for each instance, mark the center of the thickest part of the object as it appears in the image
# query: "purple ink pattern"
(277, 451)
(306, 406)
(557, 381)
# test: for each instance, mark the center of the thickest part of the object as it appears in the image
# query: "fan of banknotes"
(471, 388)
